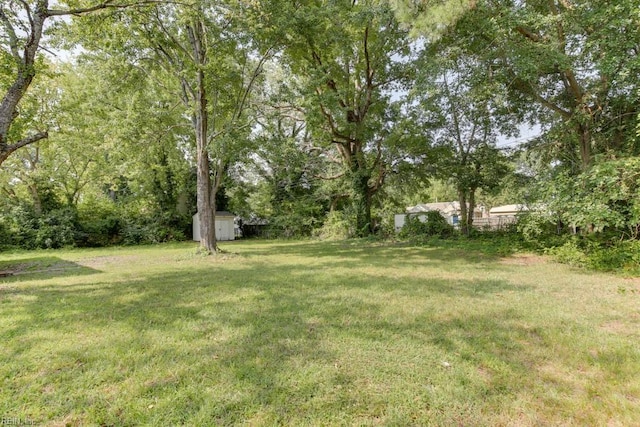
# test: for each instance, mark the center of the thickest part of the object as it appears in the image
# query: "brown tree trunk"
(462, 199)
(206, 206)
(584, 135)
(471, 210)
(361, 201)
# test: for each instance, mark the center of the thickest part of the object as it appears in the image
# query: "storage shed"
(225, 228)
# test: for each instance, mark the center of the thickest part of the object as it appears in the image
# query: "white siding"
(224, 228)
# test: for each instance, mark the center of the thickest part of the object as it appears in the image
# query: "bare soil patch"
(524, 259)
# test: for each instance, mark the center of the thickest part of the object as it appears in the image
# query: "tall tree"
(352, 57)
(464, 112)
(209, 56)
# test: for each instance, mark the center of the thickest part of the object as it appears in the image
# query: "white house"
(449, 210)
(507, 210)
(225, 228)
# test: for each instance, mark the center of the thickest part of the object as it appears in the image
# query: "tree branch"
(7, 149)
(108, 4)
(13, 39)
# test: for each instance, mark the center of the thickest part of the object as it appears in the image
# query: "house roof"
(447, 208)
(508, 209)
(444, 207)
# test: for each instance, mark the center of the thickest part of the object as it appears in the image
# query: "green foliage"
(348, 57)
(430, 18)
(569, 253)
(101, 222)
(57, 228)
(336, 227)
(537, 226)
(145, 229)
(52, 229)
(598, 254)
(6, 238)
(604, 199)
(433, 224)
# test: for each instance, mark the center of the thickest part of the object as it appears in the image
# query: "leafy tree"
(23, 25)
(571, 65)
(285, 164)
(464, 113)
(351, 57)
(214, 67)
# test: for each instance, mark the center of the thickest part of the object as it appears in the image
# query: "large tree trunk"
(462, 199)
(584, 136)
(361, 201)
(206, 206)
(471, 210)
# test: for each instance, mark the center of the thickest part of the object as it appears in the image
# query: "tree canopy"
(313, 116)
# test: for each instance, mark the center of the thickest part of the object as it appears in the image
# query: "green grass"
(310, 333)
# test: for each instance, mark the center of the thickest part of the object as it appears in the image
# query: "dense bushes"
(427, 224)
(602, 255)
(98, 224)
(535, 232)
(22, 227)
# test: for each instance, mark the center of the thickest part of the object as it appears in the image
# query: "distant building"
(449, 210)
(507, 210)
(225, 226)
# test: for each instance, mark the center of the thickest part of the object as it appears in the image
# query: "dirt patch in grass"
(101, 261)
(524, 259)
(633, 284)
(50, 265)
(627, 326)
(36, 266)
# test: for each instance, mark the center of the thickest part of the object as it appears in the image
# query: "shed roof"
(220, 214)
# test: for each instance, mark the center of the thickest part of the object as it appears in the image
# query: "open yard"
(312, 333)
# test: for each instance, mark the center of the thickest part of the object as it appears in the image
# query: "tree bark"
(24, 77)
(471, 210)
(361, 201)
(206, 206)
(462, 199)
(584, 135)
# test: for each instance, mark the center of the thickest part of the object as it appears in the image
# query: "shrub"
(569, 253)
(427, 224)
(141, 228)
(100, 224)
(336, 227)
(6, 239)
(589, 251)
(57, 228)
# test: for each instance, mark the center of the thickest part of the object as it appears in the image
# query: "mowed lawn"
(315, 333)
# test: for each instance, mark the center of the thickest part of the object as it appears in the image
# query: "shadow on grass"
(45, 266)
(402, 253)
(274, 336)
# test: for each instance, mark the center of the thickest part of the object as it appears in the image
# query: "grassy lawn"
(310, 333)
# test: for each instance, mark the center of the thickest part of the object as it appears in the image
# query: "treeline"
(321, 119)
